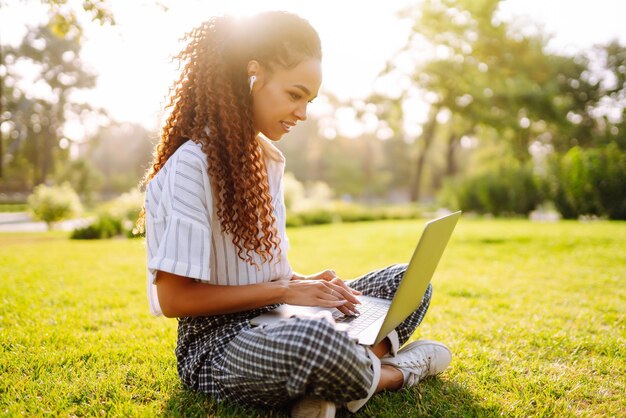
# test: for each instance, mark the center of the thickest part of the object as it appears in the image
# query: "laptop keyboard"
(371, 310)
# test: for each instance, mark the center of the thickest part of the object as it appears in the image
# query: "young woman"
(215, 232)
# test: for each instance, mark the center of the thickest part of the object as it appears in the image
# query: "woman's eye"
(295, 96)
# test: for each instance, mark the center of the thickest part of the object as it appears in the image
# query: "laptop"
(378, 317)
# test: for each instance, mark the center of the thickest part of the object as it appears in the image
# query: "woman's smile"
(287, 125)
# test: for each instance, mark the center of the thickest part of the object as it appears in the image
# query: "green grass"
(13, 207)
(534, 314)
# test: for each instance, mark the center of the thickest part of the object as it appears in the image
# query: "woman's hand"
(323, 289)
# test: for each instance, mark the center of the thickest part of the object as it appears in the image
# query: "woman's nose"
(300, 112)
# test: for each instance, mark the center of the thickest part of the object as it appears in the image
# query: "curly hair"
(210, 104)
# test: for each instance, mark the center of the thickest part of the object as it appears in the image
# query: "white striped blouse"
(184, 235)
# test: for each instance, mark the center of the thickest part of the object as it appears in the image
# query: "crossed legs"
(275, 364)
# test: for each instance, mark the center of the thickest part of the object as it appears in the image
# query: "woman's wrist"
(278, 291)
(297, 276)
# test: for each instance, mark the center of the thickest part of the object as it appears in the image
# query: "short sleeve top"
(184, 234)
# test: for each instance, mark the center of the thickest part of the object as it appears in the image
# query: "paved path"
(22, 222)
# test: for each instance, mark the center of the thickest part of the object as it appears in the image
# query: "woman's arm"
(181, 296)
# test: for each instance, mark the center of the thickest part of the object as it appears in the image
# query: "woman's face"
(280, 99)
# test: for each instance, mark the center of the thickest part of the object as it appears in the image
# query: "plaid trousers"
(275, 364)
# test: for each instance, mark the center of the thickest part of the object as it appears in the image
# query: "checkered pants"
(274, 364)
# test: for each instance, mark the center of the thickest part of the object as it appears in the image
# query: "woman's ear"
(254, 68)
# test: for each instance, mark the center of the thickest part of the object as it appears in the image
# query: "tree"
(36, 114)
(17, 105)
(120, 153)
(490, 76)
(64, 20)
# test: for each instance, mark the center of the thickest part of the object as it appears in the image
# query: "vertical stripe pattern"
(183, 234)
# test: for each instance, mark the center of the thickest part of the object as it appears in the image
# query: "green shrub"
(317, 217)
(105, 226)
(590, 182)
(509, 190)
(126, 208)
(410, 211)
(294, 220)
(88, 232)
(293, 190)
(116, 218)
(349, 212)
(54, 203)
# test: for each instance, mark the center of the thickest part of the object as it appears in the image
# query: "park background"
(426, 107)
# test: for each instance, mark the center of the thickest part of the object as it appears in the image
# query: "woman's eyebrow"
(304, 89)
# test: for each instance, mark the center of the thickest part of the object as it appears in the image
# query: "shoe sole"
(313, 408)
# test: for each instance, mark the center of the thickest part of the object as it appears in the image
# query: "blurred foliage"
(83, 177)
(511, 189)
(313, 204)
(35, 110)
(64, 21)
(590, 182)
(507, 123)
(105, 226)
(293, 190)
(338, 211)
(115, 218)
(54, 203)
(482, 74)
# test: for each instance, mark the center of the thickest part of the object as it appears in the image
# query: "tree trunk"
(453, 143)
(427, 137)
(35, 156)
(1, 113)
(1, 151)
(46, 158)
(368, 169)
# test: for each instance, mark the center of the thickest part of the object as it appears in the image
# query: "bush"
(590, 182)
(349, 212)
(105, 226)
(316, 217)
(126, 209)
(509, 190)
(312, 196)
(116, 218)
(293, 190)
(54, 203)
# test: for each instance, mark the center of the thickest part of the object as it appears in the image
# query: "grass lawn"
(534, 314)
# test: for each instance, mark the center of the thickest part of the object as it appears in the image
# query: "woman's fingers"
(326, 275)
(340, 287)
(333, 294)
(338, 293)
(325, 303)
(326, 294)
(342, 305)
(344, 310)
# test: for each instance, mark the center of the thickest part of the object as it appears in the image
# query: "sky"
(133, 58)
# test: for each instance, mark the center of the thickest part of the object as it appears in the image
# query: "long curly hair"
(210, 104)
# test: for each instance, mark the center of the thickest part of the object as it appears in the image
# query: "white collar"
(270, 150)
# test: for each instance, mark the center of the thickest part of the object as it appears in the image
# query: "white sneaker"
(420, 359)
(308, 407)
